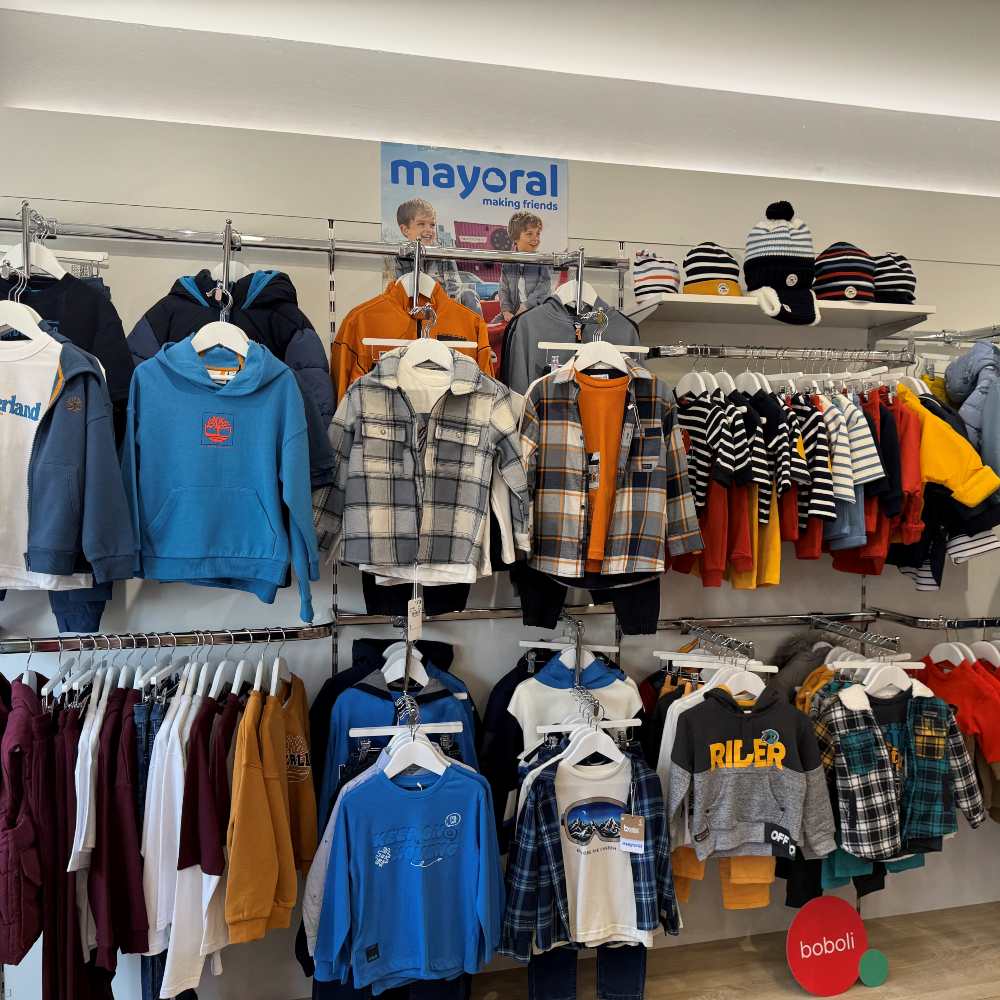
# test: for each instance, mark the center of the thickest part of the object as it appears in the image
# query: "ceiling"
(900, 94)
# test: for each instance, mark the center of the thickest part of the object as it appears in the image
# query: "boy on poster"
(417, 220)
(524, 285)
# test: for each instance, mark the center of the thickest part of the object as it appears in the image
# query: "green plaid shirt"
(653, 512)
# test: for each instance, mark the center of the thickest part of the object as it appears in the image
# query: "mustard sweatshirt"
(253, 857)
(272, 752)
(946, 458)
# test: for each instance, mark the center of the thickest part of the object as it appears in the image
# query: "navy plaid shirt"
(537, 910)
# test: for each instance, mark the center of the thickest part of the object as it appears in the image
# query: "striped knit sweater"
(710, 450)
(816, 499)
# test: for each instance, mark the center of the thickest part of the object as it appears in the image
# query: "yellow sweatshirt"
(946, 458)
(272, 753)
(253, 860)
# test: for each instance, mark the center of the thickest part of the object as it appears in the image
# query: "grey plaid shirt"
(412, 490)
(654, 510)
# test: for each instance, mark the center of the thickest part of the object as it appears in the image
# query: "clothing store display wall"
(938, 233)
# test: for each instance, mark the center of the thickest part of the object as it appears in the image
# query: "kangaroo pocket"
(741, 796)
(199, 522)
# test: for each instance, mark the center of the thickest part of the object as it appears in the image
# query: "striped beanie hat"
(653, 278)
(711, 270)
(844, 271)
(780, 260)
(894, 279)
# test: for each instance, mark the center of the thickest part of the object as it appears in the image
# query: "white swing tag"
(414, 618)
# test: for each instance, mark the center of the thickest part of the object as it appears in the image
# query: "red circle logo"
(824, 946)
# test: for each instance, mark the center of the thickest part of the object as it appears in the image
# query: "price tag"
(414, 618)
(632, 839)
(594, 470)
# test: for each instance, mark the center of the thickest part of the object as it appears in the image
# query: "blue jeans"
(621, 973)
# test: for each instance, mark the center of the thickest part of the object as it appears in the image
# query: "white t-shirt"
(599, 886)
(536, 704)
(28, 371)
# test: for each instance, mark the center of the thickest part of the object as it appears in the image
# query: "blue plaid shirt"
(537, 910)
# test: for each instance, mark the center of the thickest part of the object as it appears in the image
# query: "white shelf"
(880, 318)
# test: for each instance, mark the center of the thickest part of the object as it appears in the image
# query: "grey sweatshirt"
(523, 362)
(755, 778)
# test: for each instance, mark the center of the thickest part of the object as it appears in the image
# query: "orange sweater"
(388, 315)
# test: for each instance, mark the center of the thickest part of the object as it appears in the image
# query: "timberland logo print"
(13, 407)
(599, 818)
(418, 846)
(766, 751)
(217, 430)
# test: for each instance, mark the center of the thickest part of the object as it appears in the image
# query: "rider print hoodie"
(216, 470)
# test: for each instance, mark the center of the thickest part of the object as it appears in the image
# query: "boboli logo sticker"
(850, 292)
(792, 280)
(825, 947)
(723, 288)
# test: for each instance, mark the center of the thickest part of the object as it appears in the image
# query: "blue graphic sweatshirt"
(414, 889)
(373, 703)
(217, 475)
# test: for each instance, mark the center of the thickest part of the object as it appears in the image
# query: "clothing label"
(222, 375)
(782, 844)
(414, 618)
(594, 470)
(633, 835)
(372, 953)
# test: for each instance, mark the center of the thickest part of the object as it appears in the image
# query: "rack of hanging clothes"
(116, 776)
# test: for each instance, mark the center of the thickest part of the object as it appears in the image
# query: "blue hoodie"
(217, 476)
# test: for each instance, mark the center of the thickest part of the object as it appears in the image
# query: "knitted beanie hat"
(653, 278)
(780, 261)
(711, 270)
(844, 271)
(894, 279)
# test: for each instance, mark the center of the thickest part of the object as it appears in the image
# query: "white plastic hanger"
(237, 270)
(967, 652)
(219, 678)
(221, 334)
(395, 667)
(591, 741)
(22, 318)
(203, 678)
(430, 349)
(985, 651)
(43, 260)
(692, 383)
(747, 382)
(711, 382)
(258, 680)
(566, 293)
(915, 385)
(427, 284)
(744, 682)
(600, 353)
(946, 651)
(241, 669)
(279, 673)
(886, 678)
(726, 382)
(416, 751)
(397, 647)
(62, 670)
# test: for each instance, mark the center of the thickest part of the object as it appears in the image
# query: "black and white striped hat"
(844, 271)
(894, 279)
(711, 270)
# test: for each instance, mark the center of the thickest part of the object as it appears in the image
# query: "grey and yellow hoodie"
(755, 779)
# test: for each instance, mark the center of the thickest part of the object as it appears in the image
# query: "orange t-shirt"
(388, 315)
(602, 410)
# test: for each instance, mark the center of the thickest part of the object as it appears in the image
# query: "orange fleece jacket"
(253, 859)
(388, 315)
(298, 767)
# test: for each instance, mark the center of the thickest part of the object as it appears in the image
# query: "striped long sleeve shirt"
(710, 452)
(865, 461)
(816, 500)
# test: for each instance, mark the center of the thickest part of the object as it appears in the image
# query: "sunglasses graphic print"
(589, 818)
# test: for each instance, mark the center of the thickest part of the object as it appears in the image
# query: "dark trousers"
(621, 973)
(392, 600)
(432, 989)
(636, 602)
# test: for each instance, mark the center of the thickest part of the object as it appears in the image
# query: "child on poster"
(417, 220)
(524, 285)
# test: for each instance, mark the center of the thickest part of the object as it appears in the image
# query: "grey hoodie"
(523, 362)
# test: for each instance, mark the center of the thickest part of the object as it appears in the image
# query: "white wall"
(101, 168)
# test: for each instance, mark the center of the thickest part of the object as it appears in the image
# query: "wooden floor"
(945, 954)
